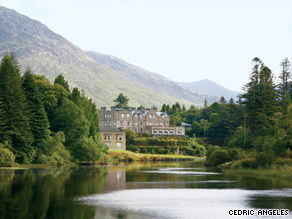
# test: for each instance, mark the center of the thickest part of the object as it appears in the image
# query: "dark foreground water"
(157, 190)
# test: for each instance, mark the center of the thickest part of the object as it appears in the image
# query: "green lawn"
(123, 155)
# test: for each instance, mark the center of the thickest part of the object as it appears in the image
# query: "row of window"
(108, 137)
(160, 132)
(136, 124)
(107, 116)
(118, 144)
(141, 116)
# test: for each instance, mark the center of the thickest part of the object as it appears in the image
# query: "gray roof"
(185, 124)
(110, 129)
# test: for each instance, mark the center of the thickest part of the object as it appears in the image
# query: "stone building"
(114, 138)
(140, 120)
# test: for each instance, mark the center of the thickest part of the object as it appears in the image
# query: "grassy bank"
(281, 168)
(122, 155)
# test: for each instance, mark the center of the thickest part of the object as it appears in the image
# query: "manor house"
(141, 120)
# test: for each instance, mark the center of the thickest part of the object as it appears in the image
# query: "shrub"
(233, 153)
(265, 158)
(210, 150)
(152, 141)
(7, 158)
(200, 150)
(187, 151)
(140, 141)
(219, 157)
(130, 136)
(184, 143)
(167, 143)
(249, 163)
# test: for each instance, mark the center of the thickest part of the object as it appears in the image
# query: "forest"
(41, 122)
(44, 122)
(258, 124)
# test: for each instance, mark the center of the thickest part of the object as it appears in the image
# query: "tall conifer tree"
(14, 103)
(37, 115)
(3, 121)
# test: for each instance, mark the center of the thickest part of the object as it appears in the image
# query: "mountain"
(101, 76)
(211, 88)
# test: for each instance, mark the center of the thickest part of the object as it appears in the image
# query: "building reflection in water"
(116, 180)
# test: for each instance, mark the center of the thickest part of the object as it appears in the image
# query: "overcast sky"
(183, 40)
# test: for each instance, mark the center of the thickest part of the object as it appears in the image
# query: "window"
(141, 130)
(122, 123)
(161, 124)
(141, 116)
(136, 116)
(153, 116)
(155, 132)
(150, 116)
(129, 123)
(160, 132)
(110, 124)
(166, 124)
(156, 123)
(165, 132)
(171, 133)
(119, 144)
(150, 123)
(128, 116)
(141, 123)
(162, 116)
(179, 133)
(108, 144)
(136, 123)
(123, 115)
(114, 123)
(107, 137)
(105, 124)
(119, 137)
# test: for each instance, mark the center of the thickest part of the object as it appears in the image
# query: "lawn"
(123, 155)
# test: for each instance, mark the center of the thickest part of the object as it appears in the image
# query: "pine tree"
(38, 118)
(61, 81)
(14, 103)
(76, 96)
(284, 86)
(184, 108)
(163, 109)
(3, 121)
(122, 101)
(168, 109)
(222, 100)
(251, 95)
(261, 103)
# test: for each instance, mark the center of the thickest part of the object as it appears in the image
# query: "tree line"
(41, 122)
(261, 119)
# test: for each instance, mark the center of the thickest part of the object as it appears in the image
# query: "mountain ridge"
(211, 88)
(102, 77)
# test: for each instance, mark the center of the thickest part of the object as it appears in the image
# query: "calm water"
(157, 190)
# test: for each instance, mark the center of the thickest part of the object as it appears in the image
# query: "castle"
(140, 120)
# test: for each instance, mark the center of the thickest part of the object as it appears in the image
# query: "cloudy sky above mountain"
(181, 39)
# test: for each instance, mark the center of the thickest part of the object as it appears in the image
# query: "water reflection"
(48, 192)
(149, 190)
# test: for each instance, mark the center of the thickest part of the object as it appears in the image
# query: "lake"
(149, 190)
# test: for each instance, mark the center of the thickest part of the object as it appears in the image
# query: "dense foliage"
(259, 122)
(41, 122)
(142, 143)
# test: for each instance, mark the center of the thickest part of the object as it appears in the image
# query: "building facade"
(140, 120)
(114, 138)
